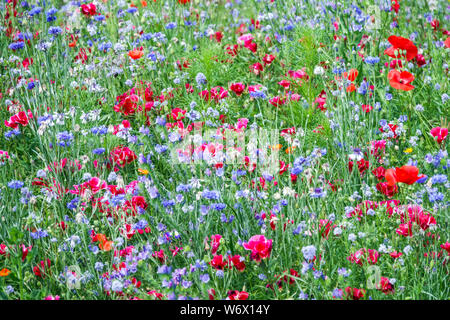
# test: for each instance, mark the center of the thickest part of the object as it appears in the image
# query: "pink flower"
(215, 243)
(260, 247)
(242, 123)
(88, 9)
(440, 134)
(245, 38)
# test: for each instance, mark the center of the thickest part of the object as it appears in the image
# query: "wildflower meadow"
(224, 150)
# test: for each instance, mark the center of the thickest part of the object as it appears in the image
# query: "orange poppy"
(4, 272)
(351, 87)
(401, 80)
(106, 245)
(135, 54)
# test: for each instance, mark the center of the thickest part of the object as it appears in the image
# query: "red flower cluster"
(216, 94)
(41, 269)
(122, 155)
(219, 262)
(410, 214)
(363, 255)
(20, 118)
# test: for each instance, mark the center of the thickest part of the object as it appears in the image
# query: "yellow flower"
(143, 171)
(408, 150)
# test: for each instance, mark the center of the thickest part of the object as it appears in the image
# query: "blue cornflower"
(204, 278)
(117, 286)
(99, 17)
(161, 148)
(9, 289)
(171, 25)
(200, 78)
(30, 85)
(141, 224)
(35, 11)
(39, 233)
(15, 184)
(372, 60)
(16, 45)
(98, 151)
(309, 252)
(73, 204)
(132, 10)
(337, 293)
(99, 266)
(54, 30)
(211, 195)
(64, 138)
(440, 178)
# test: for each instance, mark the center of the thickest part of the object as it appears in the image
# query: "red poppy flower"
(401, 80)
(379, 172)
(405, 174)
(405, 229)
(400, 43)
